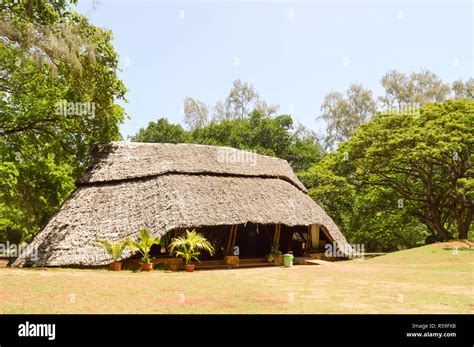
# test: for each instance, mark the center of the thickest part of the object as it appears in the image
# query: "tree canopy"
(344, 113)
(162, 131)
(416, 166)
(239, 103)
(58, 92)
(274, 136)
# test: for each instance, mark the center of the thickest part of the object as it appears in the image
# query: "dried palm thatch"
(126, 160)
(162, 187)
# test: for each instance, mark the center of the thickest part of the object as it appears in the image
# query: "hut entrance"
(245, 240)
(248, 241)
(254, 240)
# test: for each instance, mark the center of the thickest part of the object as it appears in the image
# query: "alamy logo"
(69, 108)
(350, 251)
(37, 330)
(235, 156)
(15, 250)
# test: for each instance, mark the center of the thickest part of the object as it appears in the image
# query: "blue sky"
(293, 52)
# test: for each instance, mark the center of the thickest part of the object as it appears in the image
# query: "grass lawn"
(437, 278)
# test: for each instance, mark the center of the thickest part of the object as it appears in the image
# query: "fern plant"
(144, 245)
(189, 246)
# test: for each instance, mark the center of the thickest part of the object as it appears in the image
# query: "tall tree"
(403, 93)
(58, 91)
(426, 160)
(398, 89)
(463, 90)
(428, 87)
(242, 99)
(196, 113)
(401, 90)
(366, 215)
(345, 113)
(402, 175)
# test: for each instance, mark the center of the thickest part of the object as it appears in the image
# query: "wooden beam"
(276, 235)
(309, 241)
(233, 239)
(315, 235)
(230, 237)
(326, 233)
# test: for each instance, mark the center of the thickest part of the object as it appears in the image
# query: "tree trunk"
(432, 219)
(464, 222)
(446, 235)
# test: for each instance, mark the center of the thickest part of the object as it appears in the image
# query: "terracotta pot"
(278, 259)
(232, 260)
(146, 266)
(116, 265)
(189, 267)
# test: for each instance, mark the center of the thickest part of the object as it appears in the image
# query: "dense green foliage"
(401, 177)
(274, 136)
(162, 131)
(343, 113)
(58, 89)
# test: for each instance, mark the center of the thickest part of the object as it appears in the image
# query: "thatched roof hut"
(164, 187)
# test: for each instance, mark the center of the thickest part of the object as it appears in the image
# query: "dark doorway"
(254, 240)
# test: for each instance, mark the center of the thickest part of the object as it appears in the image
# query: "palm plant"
(144, 245)
(188, 246)
(114, 249)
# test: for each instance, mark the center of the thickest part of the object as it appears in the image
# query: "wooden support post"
(315, 236)
(276, 235)
(229, 258)
(309, 242)
(231, 239)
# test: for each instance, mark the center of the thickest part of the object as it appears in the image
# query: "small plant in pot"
(275, 255)
(278, 256)
(143, 246)
(188, 247)
(115, 250)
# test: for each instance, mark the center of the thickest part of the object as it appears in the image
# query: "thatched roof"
(126, 160)
(135, 185)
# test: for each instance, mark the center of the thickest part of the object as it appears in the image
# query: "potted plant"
(143, 246)
(275, 255)
(278, 256)
(270, 258)
(189, 246)
(115, 250)
(231, 259)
